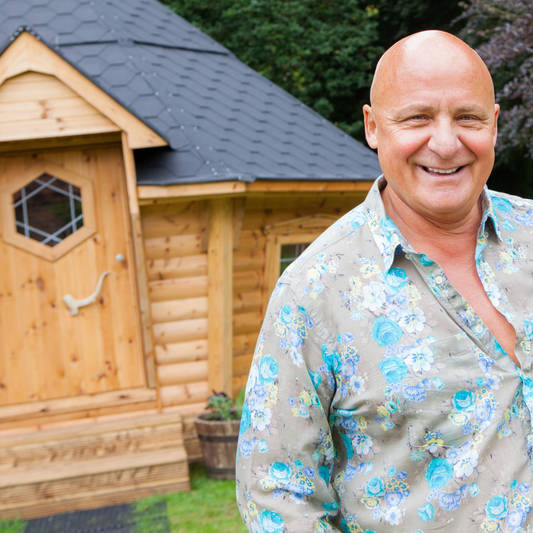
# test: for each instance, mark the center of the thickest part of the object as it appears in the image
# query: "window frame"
(51, 253)
(301, 230)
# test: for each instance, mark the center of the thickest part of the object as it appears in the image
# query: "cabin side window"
(288, 253)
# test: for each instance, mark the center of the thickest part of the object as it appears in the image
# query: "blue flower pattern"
(378, 399)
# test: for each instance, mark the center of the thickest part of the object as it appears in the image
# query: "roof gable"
(28, 54)
(37, 106)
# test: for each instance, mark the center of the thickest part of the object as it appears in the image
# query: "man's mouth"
(442, 171)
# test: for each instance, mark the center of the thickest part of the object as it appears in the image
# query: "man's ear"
(496, 113)
(370, 127)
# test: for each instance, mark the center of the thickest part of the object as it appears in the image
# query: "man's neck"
(441, 240)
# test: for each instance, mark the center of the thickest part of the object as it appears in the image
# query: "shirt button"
(439, 280)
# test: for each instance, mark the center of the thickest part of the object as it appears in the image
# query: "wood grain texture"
(27, 53)
(92, 464)
(220, 295)
(46, 353)
(141, 278)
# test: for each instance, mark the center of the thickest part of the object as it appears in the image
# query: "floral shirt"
(377, 398)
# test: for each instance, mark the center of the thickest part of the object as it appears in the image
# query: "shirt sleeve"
(285, 454)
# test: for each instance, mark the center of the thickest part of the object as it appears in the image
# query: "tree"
(502, 33)
(322, 52)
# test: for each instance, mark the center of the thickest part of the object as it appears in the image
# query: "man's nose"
(444, 140)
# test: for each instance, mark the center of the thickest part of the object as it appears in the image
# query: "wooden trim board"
(140, 265)
(220, 295)
(152, 194)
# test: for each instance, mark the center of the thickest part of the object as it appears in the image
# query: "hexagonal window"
(48, 209)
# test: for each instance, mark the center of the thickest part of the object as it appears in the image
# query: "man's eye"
(467, 117)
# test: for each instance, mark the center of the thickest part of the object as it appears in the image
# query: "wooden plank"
(140, 265)
(40, 105)
(247, 301)
(176, 218)
(173, 289)
(113, 495)
(66, 405)
(152, 194)
(181, 352)
(245, 323)
(188, 412)
(176, 267)
(189, 393)
(220, 294)
(241, 364)
(73, 417)
(181, 373)
(55, 127)
(185, 309)
(247, 281)
(239, 208)
(252, 241)
(82, 429)
(244, 344)
(249, 259)
(51, 472)
(262, 186)
(86, 448)
(66, 141)
(180, 330)
(174, 246)
(27, 53)
(238, 383)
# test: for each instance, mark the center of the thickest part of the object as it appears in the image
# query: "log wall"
(175, 236)
(250, 285)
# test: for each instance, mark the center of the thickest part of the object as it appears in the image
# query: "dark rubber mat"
(112, 519)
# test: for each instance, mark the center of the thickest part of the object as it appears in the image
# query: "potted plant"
(218, 431)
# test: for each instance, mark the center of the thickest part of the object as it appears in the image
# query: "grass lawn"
(209, 508)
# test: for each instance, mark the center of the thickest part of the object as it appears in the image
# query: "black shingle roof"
(221, 119)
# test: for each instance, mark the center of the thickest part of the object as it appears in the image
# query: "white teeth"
(443, 171)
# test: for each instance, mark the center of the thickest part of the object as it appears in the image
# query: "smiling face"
(433, 122)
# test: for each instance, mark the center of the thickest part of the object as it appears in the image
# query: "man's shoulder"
(501, 199)
(512, 214)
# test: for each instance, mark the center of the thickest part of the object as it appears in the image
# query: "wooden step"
(78, 443)
(88, 465)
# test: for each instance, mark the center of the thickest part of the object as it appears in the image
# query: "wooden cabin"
(151, 188)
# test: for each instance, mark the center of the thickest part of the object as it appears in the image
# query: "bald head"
(423, 51)
(433, 121)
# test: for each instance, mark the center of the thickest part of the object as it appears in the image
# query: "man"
(391, 388)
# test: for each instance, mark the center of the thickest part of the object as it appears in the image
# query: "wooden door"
(45, 351)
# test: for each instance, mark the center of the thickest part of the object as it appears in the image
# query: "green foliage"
(12, 526)
(323, 52)
(500, 30)
(403, 17)
(210, 507)
(221, 407)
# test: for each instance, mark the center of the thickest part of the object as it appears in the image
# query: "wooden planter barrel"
(219, 445)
